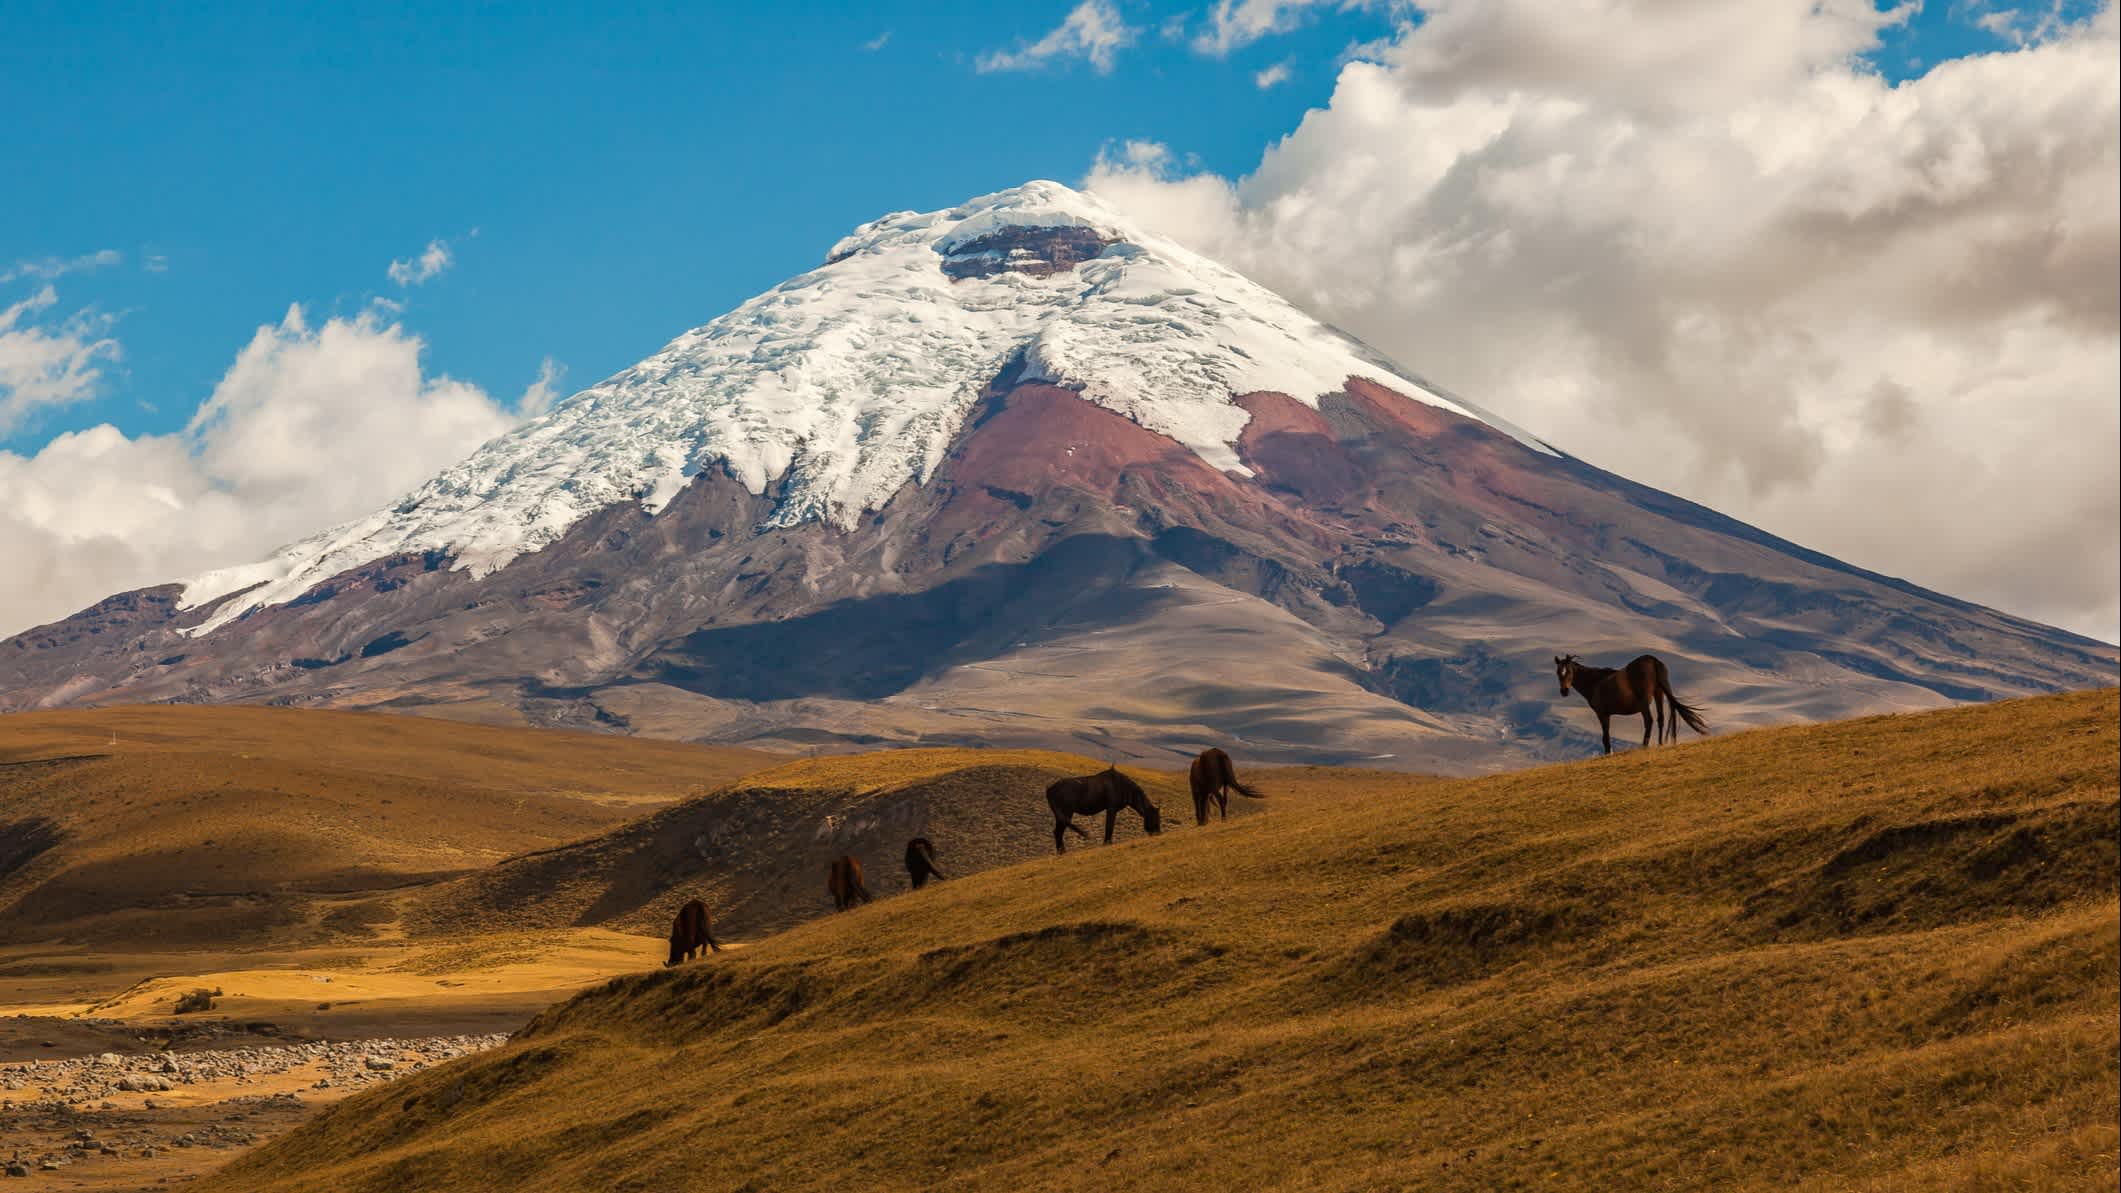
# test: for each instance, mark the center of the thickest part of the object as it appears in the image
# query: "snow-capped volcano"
(1020, 472)
(843, 384)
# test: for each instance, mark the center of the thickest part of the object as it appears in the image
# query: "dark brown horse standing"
(1106, 791)
(1214, 778)
(920, 862)
(844, 880)
(691, 931)
(1642, 688)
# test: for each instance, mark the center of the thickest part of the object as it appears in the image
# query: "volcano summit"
(1022, 473)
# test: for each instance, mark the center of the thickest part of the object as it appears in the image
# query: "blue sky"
(626, 178)
(602, 181)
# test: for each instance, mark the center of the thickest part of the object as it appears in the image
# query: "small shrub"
(198, 1000)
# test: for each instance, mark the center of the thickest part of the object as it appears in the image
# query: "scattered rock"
(88, 1081)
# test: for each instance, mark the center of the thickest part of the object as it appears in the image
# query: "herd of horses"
(1213, 777)
(1642, 688)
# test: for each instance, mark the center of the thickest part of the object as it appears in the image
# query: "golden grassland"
(1878, 954)
(156, 842)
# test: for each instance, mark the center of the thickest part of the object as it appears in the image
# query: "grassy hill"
(189, 826)
(1880, 954)
(757, 849)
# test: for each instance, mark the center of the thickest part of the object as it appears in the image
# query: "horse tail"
(1685, 711)
(1243, 790)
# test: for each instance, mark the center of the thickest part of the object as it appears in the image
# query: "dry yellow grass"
(184, 826)
(1872, 955)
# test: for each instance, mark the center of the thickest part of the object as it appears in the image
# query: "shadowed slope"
(757, 850)
(1875, 954)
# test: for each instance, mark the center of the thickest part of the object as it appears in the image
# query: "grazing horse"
(690, 932)
(1106, 791)
(1643, 688)
(844, 880)
(1214, 778)
(920, 862)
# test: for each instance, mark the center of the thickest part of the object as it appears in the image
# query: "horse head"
(1565, 671)
(1137, 799)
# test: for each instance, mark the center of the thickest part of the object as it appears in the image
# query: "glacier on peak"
(847, 382)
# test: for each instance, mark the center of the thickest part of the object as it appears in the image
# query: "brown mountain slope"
(177, 825)
(1878, 954)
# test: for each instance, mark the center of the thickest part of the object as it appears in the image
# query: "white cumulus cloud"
(1273, 76)
(1705, 246)
(1092, 31)
(309, 427)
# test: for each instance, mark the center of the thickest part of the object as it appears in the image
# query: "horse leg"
(1200, 808)
(1605, 730)
(1111, 816)
(1222, 803)
(1646, 727)
(1060, 827)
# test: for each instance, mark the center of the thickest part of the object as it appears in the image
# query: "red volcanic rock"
(1291, 446)
(1420, 418)
(1038, 437)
